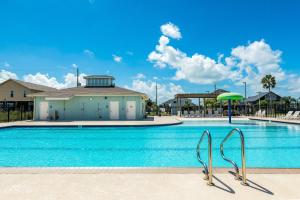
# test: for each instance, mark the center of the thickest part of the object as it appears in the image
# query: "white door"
(43, 110)
(114, 110)
(131, 110)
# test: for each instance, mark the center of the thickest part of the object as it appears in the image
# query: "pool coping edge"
(137, 170)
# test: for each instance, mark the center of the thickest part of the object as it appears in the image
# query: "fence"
(9, 114)
(273, 110)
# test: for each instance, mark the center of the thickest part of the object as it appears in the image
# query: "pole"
(156, 98)
(77, 74)
(180, 106)
(8, 113)
(245, 84)
(229, 111)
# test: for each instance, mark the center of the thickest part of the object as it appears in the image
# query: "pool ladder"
(208, 170)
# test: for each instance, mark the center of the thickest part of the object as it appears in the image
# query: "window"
(24, 93)
(11, 93)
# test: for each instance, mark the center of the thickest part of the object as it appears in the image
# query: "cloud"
(91, 2)
(255, 60)
(70, 80)
(292, 84)
(195, 69)
(6, 64)
(75, 66)
(89, 53)
(117, 59)
(248, 63)
(129, 53)
(164, 91)
(170, 30)
(5, 75)
(140, 76)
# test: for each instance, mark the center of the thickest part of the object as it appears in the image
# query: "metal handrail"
(237, 175)
(207, 170)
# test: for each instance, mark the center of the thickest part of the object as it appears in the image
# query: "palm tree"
(268, 82)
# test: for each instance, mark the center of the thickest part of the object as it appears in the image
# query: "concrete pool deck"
(278, 120)
(116, 184)
(151, 121)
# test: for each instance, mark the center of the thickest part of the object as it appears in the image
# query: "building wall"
(88, 107)
(7, 87)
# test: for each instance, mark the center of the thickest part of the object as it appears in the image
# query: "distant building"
(263, 96)
(172, 105)
(100, 99)
(14, 94)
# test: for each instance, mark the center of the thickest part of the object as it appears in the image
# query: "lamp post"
(258, 101)
(156, 98)
(245, 86)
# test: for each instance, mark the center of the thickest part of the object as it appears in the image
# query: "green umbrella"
(229, 96)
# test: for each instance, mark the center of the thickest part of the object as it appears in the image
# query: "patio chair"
(288, 115)
(296, 115)
(257, 113)
(263, 113)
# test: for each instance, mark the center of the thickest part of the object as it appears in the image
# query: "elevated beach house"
(14, 94)
(100, 99)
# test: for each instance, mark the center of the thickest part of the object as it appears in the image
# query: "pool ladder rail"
(243, 158)
(207, 170)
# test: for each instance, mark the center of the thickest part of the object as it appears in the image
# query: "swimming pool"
(269, 145)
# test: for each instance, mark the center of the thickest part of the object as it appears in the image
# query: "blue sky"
(42, 41)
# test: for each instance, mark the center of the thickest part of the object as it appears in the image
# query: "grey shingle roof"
(259, 96)
(77, 91)
(33, 86)
(256, 97)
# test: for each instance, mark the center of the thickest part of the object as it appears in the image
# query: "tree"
(268, 82)
(289, 102)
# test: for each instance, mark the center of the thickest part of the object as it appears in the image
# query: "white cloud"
(44, 79)
(74, 66)
(89, 53)
(245, 63)
(4, 75)
(139, 76)
(292, 84)
(91, 2)
(164, 91)
(195, 69)
(117, 59)
(170, 30)
(6, 64)
(254, 61)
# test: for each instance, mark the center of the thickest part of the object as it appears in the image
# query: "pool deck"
(151, 121)
(279, 120)
(122, 183)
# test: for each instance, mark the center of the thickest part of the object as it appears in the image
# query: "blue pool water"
(267, 145)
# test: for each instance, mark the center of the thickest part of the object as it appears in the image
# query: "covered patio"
(202, 109)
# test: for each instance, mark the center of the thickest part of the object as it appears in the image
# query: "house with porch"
(15, 94)
(99, 99)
